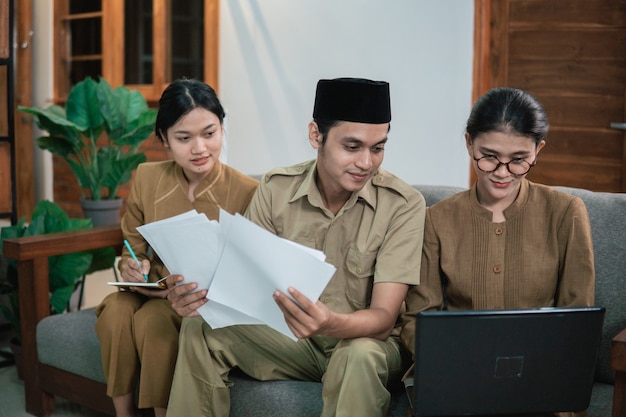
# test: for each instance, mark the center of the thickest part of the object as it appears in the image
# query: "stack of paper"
(240, 263)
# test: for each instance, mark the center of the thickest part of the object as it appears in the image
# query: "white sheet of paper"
(187, 244)
(258, 263)
(241, 263)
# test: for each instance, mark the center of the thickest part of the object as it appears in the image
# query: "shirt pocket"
(360, 277)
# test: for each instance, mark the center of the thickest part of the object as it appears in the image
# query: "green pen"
(133, 255)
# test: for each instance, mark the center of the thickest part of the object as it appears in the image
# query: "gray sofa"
(62, 352)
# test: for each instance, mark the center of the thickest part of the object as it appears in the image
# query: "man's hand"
(304, 320)
(184, 298)
(311, 319)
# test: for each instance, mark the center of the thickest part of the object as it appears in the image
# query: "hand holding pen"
(132, 253)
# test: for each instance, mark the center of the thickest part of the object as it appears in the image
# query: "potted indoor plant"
(65, 272)
(98, 133)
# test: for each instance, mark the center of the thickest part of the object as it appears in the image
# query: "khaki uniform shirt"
(159, 190)
(375, 237)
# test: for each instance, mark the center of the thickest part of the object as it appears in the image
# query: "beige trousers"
(354, 374)
(138, 342)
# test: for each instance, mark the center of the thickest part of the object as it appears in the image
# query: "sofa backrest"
(607, 213)
(434, 193)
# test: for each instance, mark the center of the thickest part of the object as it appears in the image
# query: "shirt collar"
(308, 188)
(206, 182)
(510, 211)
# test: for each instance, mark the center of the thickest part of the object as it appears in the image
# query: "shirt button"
(326, 299)
(329, 260)
(497, 269)
(358, 270)
(499, 231)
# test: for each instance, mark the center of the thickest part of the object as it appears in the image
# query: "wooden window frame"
(112, 56)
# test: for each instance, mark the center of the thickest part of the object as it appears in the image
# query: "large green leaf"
(111, 108)
(135, 106)
(64, 269)
(82, 106)
(63, 146)
(103, 258)
(52, 119)
(122, 169)
(85, 177)
(51, 116)
(142, 128)
(60, 298)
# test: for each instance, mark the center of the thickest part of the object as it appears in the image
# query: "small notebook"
(160, 284)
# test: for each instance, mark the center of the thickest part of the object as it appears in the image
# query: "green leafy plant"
(75, 133)
(64, 271)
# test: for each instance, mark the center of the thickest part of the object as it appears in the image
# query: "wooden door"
(571, 55)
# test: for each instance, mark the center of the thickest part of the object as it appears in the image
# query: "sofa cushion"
(69, 342)
(607, 213)
(251, 398)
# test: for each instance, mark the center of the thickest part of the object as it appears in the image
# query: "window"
(144, 44)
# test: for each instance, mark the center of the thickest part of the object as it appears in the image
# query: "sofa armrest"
(618, 352)
(618, 363)
(31, 254)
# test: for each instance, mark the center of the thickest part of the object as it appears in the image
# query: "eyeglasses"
(517, 166)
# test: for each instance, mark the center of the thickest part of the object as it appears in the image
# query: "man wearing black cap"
(368, 223)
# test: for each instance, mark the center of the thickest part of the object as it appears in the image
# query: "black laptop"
(505, 362)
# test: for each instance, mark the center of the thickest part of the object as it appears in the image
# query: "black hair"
(324, 126)
(508, 110)
(181, 97)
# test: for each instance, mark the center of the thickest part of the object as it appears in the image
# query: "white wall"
(272, 52)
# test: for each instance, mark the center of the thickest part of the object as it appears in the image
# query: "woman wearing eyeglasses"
(505, 243)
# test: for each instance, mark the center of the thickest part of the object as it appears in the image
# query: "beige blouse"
(159, 190)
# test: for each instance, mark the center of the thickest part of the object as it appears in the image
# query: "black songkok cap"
(352, 100)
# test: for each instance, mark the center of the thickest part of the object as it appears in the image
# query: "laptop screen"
(506, 361)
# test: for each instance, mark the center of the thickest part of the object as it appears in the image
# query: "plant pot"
(102, 212)
(16, 348)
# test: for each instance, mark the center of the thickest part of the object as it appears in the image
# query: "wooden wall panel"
(4, 23)
(574, 77)
(551, 170)
(4, 125)
(5, 178)
(590, 112)
(563, 44)
(607, 144)
(568, 12)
